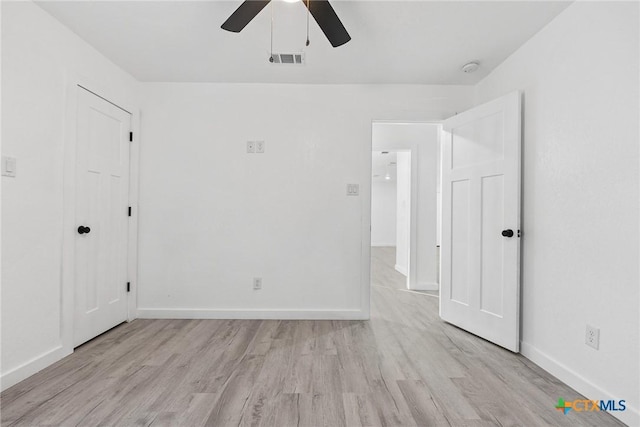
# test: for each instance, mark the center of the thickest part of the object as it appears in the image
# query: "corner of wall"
(32, 366)
(578, 382)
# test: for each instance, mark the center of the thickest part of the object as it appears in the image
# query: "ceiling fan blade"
(328, 21)
(244, 14)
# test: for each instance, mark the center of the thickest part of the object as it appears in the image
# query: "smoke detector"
(470, 67)
(287, 58)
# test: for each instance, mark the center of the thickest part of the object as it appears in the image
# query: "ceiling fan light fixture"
(321, 10)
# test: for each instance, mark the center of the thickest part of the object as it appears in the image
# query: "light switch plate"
(251, 146)
(260, 145)
(9, 166)
(353, 189)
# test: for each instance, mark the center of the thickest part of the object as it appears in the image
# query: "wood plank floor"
(405, 367)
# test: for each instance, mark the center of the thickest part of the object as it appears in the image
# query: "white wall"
(403, 208)
(383, 213)
(40, 58)
(580, 208)
(212, 217)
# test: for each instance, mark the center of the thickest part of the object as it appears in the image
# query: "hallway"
(384, 274)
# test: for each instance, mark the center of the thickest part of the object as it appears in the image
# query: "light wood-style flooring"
(404, 367)
(383, 272)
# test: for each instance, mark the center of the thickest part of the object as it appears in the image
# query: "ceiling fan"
(321, 10)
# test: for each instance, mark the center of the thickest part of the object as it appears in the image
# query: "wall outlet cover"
(260, 145)
(251, 146)
(592, 337)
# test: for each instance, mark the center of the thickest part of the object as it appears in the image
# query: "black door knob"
(507, 233)
(82, 230)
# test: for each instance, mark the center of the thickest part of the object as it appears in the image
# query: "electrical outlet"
(251, 146)
(257, 283)
(260, 147)
(353, 189)
(592, 337)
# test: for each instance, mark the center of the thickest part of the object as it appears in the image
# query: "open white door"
(480, 279)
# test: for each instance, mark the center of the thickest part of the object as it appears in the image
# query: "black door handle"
(507, 233)
(82, 230)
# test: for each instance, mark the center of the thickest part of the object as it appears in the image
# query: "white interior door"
(102, 196)
(480, 288)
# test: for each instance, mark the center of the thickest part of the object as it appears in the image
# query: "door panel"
(480, 283)
(492, 283)
(478, 141)
(460, 242)
(102, 198)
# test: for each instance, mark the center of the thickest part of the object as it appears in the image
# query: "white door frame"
(409, 230)
(76, 84)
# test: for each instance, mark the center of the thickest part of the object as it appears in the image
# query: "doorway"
(101, 216)
(406, 152)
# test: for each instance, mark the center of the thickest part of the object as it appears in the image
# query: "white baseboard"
(183, 313)
(426, 286)
(38, 363)
(402, 270)
(576, 381)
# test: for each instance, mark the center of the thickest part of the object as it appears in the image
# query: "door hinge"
(128, 286)
(130, 136)
(129, 210)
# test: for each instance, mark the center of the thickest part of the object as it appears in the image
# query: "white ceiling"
(422, 42)
(381, 164)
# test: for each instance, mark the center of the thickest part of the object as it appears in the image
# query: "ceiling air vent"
(288, 58)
